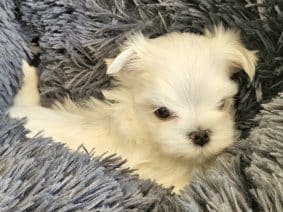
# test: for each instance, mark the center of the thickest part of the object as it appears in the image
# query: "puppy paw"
(30, 75)
(28, 94)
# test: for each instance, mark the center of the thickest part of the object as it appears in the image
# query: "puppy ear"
(134, 48)
(115, 65)
(238, 56)
(242, 59)
(108, 61)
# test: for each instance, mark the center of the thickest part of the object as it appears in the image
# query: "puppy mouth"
(205, 153)
(208, 155)
(204, 158)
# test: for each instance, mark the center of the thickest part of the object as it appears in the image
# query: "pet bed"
(68, 39)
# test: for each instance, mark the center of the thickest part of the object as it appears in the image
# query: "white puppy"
(171, 114)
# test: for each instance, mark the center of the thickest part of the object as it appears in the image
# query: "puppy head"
(181, 91)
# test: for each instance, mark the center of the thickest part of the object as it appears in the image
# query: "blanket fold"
(68, 39)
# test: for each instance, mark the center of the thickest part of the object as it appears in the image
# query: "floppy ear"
(238, 56)
(134, 47)
(242, 59)
(115, 65)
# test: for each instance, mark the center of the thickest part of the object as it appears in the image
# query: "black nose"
(200, 137)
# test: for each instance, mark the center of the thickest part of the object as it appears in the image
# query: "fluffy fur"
(187, 73)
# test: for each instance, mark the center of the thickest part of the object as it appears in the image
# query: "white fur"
(187, 73)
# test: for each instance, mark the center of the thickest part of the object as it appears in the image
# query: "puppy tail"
(28, 94)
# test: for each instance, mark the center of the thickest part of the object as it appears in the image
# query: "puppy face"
(181, 91)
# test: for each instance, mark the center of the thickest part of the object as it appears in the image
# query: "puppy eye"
(162, 113)
(221, 104)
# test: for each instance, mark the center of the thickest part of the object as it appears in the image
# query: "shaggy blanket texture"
(68, 39)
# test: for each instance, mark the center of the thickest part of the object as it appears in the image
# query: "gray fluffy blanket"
(67, 40)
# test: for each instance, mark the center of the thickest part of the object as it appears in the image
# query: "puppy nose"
(200, 137)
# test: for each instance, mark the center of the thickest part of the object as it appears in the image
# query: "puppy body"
(187, 74)
(97, 125)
